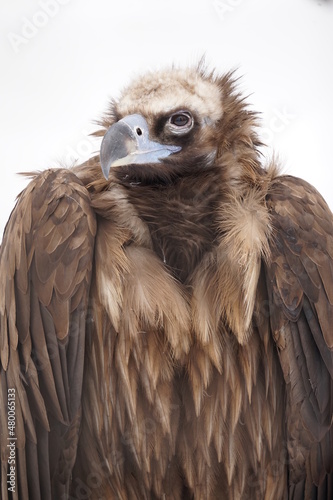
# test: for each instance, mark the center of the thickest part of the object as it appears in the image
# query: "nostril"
(138, 130)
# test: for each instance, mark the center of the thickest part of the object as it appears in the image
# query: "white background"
(61, 61)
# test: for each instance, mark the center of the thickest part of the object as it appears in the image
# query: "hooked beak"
(127, 142)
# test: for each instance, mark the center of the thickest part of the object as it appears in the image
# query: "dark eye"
(180, 119)
(180, 122)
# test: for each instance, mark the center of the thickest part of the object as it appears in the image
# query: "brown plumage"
(167, 328)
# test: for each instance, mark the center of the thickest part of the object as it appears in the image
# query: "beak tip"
(105, 170)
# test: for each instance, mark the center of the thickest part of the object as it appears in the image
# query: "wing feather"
(45, 272)
(299, 282)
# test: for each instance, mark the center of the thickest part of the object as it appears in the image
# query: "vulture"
(167, 311)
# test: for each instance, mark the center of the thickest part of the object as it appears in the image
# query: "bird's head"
(173, 123)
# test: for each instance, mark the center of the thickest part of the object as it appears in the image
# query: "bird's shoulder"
(45, 270)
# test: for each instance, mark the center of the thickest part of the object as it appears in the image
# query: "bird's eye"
(180, 119)
(180, 122)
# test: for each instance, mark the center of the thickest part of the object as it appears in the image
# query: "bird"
(167, 309)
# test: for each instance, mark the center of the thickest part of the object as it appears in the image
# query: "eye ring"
(180, 122)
